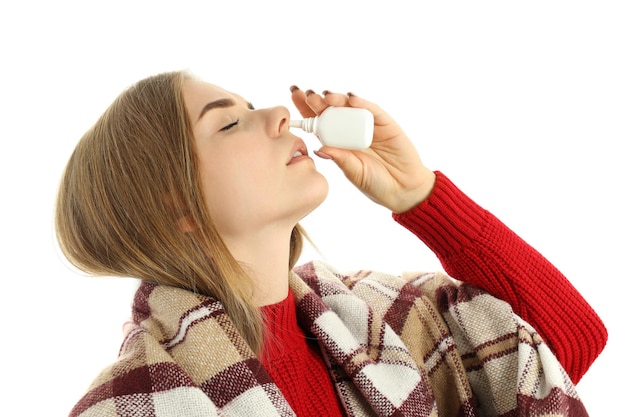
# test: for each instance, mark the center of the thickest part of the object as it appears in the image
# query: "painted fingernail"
(351, 94)
(325, 92)
(309, 92)
(323, 155)
(293, 88)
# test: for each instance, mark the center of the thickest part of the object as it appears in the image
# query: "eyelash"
(229, 126)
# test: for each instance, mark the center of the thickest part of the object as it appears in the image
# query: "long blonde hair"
(131, 179)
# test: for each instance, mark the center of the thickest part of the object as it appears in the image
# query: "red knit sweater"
(475, 247)
(295, 363)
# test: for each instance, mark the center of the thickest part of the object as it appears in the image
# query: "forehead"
(197, 94)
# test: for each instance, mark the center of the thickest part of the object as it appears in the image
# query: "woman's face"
(254, 173)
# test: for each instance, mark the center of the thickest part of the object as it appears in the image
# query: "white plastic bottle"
(340, 127)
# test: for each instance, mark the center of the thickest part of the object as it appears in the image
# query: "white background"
(522, 105)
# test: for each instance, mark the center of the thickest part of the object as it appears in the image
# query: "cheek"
(238, 171)
(234, 183)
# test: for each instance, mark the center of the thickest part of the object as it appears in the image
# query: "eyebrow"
(220, 104)
(217, 104)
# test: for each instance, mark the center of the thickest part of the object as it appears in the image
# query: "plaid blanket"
(415, 345)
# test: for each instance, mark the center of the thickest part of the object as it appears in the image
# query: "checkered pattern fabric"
(415, 345)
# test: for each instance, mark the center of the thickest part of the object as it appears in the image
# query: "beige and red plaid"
(416, 345)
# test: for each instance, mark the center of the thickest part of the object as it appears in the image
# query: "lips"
(298, 152)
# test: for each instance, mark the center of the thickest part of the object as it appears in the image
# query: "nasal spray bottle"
(340, 127)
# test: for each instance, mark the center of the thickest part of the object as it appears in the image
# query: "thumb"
(330, 153)
(345, 159)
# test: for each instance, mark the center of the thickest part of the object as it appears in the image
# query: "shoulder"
(143, 381)
(429, 282)
(385, 290)
(142, 370)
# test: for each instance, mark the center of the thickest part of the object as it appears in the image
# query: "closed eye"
(229, 126)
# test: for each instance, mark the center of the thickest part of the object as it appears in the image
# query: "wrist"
(415, 196)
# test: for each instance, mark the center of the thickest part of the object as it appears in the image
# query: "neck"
(265, 257)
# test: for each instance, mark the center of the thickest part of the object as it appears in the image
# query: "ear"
(186, 224)
(173, 201)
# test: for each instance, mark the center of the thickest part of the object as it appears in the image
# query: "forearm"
(475, 247)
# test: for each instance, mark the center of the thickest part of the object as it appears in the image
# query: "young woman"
(187, 187)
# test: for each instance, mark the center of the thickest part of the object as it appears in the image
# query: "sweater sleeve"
(475, 247)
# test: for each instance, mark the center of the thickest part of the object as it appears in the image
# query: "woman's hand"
(390, 171)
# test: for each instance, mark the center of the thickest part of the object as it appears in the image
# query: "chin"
(316, 195)
(322, 190)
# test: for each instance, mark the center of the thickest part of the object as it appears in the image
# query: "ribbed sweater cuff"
(447, 220)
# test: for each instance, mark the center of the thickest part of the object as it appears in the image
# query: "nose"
(277, 121)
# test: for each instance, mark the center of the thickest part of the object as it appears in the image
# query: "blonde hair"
(130, 181)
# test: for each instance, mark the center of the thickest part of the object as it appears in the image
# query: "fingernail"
(351, 94)
(293, 88)
(323, 155)
(309, 92)
(325, 92)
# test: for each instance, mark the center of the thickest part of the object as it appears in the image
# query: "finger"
(346, 160)
(299, 100)
(380, 116)
(336, 155)
(315, 101)
(335, 99)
